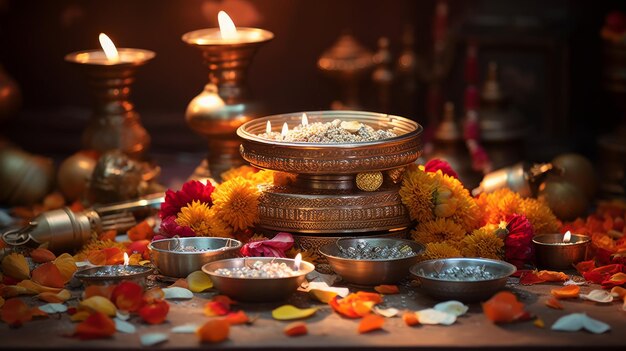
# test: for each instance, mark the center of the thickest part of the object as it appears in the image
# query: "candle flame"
(567, 237)
(298, 261)
(227, 27)
(285, 130)
(268, 127)
(126, 259)
(305, 119)
(109, 48)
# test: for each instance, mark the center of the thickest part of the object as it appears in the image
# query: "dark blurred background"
(549, 57)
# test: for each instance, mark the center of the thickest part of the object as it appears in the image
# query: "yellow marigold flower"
(482, 243)
(242, 171)
(440, 250)
(95, 245)
(196, 216)
(540, 216)
(417, 193)
(235, 202)
(263, 177)
(466, 211)
(441, 229)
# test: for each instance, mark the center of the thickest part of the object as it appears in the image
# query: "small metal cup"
(552, 253)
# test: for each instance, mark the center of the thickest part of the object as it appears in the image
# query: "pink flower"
(192, 190)
(274, 247)
(436, 164)
(518, 248)
(170, 228)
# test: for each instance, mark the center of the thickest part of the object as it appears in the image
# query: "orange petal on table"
(566, 292)
(181, 283)
(387, 289)
(97, 325)
(216, 308)
(15, 312)
(108, 235)
(154, 313)
(38, 288)
(585, 266)
(36, 312)
(224, 299)
(295, 329)
(552, 276)
(66, 265)
(42, 255)
(153, 295)
(618, 291)
(15, 290)
(362, 308)
(59, 297)
(343, 308)
(368, 296)
(410, 319)
(215, 330)
(15, 266)
(128, 296)
(142, 231)
(616, 279)
(48, 274)
(554, 303)
(235, 318)
(503, 307)
(99, 290)
(370, 323)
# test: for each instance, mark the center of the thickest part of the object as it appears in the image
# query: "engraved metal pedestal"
(324, 202)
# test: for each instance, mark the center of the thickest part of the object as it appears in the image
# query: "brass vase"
(224, 104)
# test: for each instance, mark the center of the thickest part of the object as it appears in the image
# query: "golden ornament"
(369, 181)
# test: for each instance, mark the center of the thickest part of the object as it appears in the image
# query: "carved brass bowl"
(325, 200)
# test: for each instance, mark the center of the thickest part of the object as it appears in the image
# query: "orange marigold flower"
(440, 250)
(439, 230)
(482, 243)
(236, 202)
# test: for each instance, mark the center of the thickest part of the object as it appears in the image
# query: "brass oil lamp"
(224, 104)
(115, 125)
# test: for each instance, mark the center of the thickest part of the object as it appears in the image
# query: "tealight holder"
(114, 274)
(552, 253)
(114, 124)
(224, 104)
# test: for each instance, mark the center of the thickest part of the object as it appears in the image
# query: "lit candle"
(110, 51)
(228, 30)
(285, 130)
(567, 237)
(298, 261)
(558, 251)
(227, 34)
(305, 119)
(268, 127)
(110, 55)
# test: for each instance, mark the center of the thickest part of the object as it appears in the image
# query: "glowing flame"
(305, 119)
(227, 27)
(126, 259)
(285, 130)
(268, 127)
(298, 261)
(567, 237)
(109, 48)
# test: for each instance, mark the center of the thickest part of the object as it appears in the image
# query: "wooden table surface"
(330, 331)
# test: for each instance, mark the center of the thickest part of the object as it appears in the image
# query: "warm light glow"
(305, 119)
(567, 237)
(298, 261)
(126, 259)
(227, 27)
(268, 127)
(109, 48)
(285, 130)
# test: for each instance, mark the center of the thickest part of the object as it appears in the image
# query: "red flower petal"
(128, 296)
(154, 313)
(436, 164)
(15, 312)
(97, 325)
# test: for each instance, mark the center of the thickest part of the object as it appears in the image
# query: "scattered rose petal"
(323, 286)
(566, 292)
(124, 327)
(99, 290)
(432, 316)
(410, 319)
(453, 307)
(274, 247)
(151, 339)
(355, 305)
(289, 312)
(199, 281)
(296, 329)
(15, 312)
(386, 312)
(236, 318)
(185, 329)
(535, 277)
(599, 296)
(573, 282)
(585, 266)
(387, 289)
(215, 330)
(600, 274)
(616, 279)
(41, 255)
(577, 321)
(323, 296)
(36, 312)
(554, 303)
(53, 308)
(370, 323)
(61, 296)
(177, 293)
(504, 307)
(37, 288)
(48, 274)
(539, 323)
(96, 326)
(154, 313)
(181, 283)
(618, 291)
(66, 265)
(128, 296)
(100, 304)
(216, 308)
(15, 266)
(79, 315)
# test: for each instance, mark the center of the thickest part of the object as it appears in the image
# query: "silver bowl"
(256, 289)
(173, 263)
(113, 274)
(478, 290)
(370, 272)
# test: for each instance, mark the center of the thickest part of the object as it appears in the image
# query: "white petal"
(122, 315)
(53, 308)
(597, 295)
(185, 329)
(124, 326)
(573, 282)
(343, 292)
(432, 316)
(177, 292)
(153, 338)
(386, 312)
(595, 326)
(453, 307)
(577, 321)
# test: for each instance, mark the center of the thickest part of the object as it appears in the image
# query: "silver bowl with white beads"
(464, 279)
